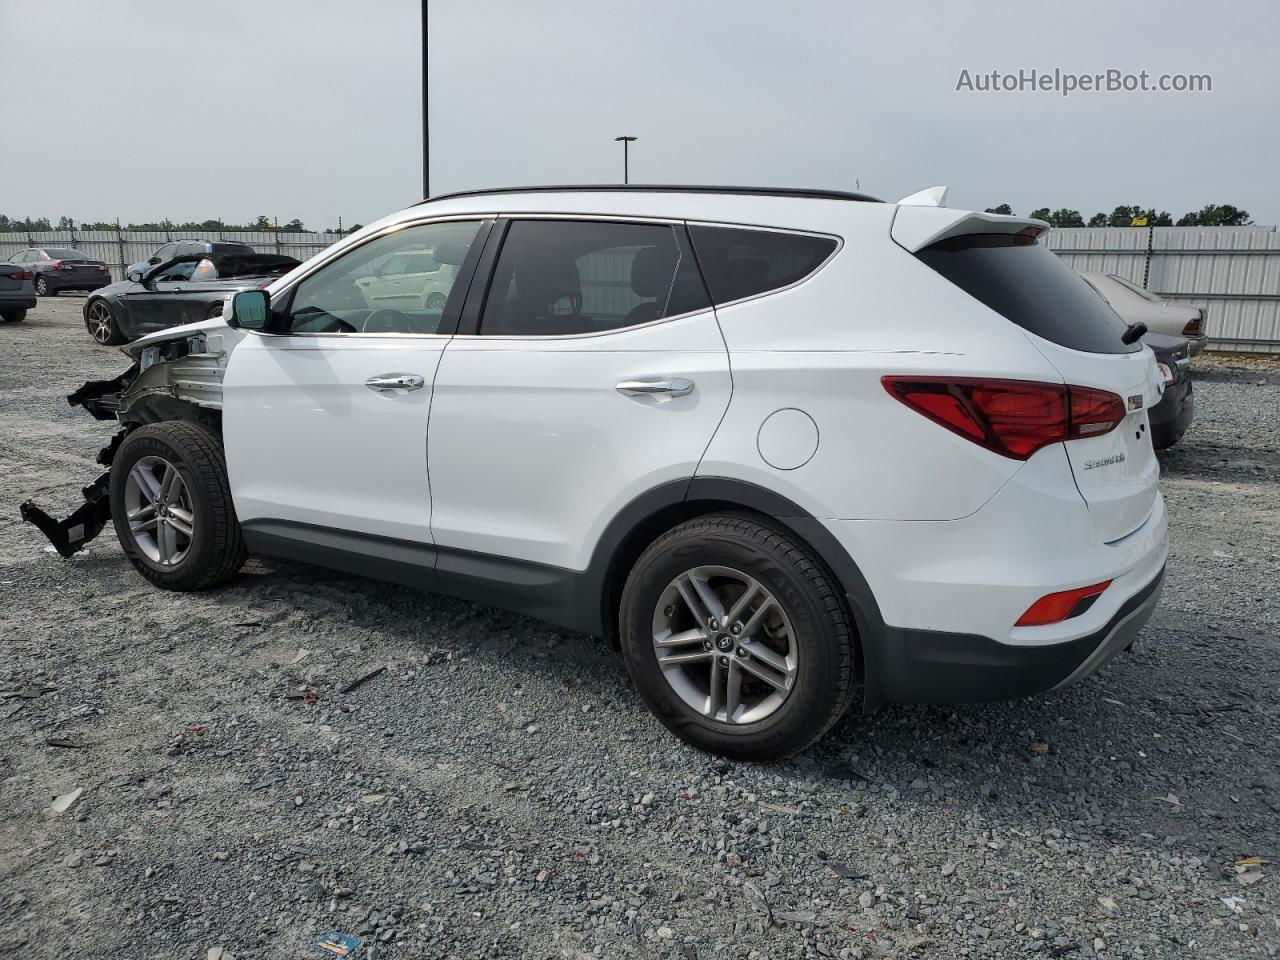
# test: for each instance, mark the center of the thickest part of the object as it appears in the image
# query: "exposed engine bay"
(179, 378)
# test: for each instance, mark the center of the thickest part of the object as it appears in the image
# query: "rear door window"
(740, 263)
(566, 277)
(1024, 282)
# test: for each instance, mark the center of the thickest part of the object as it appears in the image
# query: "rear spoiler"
(917, 227)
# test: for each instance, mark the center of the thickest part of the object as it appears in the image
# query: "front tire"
(14, 316)
(43, 289)
(736, 637)
(171, 506)
(100, 321)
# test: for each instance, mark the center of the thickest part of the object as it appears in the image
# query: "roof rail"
(664, 188)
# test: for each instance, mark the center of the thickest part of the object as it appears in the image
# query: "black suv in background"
(55, 269)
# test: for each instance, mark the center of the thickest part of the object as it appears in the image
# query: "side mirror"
(134, 275)
(248, 310)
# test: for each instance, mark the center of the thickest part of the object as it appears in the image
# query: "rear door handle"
(386, 382)
(662, 389)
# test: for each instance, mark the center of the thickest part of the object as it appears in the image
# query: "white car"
(791, 448)
(1136, 305)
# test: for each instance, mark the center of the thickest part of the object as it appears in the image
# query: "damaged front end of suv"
(176, 375)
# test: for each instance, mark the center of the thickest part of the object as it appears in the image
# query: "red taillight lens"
(1013, 418)
(23, 275)
(1195, 327)
(1056, 607)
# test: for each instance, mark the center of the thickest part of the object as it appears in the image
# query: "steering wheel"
(386, 320)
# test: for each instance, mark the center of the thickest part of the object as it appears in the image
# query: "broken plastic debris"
(1250, 862)
(338, 944)
(65, 802)
(363, 679)
(1234, 904)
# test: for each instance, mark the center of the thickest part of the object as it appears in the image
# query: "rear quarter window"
(739, 263)
(1024, 282)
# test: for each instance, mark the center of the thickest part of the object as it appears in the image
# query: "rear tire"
(809, 644)
(195, 497)
(43, 289)
(100, 321)
(14, 316)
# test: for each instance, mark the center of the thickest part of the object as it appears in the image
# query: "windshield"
(65, 253)
(1144, 294)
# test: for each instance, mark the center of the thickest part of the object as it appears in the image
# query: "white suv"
(790, 447)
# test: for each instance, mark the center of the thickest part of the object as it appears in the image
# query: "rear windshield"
(1021, 280)
(61, 253)
(229, 246)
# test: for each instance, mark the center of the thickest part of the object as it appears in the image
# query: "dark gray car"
(16, 294)
(54, 269)
(184, 290)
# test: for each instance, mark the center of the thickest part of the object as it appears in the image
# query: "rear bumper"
(928, 666)
(17, 300)
(1171, 417)
(56, 282)
(1196, 344)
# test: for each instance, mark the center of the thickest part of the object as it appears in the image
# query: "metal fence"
(1233, 272)
(119, 248)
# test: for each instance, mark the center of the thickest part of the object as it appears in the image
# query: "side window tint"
(743, 263)
(558, 277)
(178, 271)
(166, 252)
(400, 282)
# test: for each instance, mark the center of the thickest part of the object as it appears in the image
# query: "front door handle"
(662, 389)
(395, 381)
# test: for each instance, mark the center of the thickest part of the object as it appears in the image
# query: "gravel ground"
(499, 790)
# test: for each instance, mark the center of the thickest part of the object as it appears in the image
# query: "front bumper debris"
(102, 399)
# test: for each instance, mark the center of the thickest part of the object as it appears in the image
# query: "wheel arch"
(650, 515)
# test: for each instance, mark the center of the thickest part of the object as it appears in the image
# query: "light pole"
(426, 140)
(626, 142)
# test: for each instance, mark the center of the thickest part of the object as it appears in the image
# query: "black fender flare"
(658, 509)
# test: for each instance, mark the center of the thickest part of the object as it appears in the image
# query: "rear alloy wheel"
(171, 505)
(735, 636)
(101, 323)
(43, 289)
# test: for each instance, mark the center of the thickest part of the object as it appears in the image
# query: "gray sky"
(146, 109)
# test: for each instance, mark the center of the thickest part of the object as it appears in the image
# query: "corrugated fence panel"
(119, 249)
(1232, 272)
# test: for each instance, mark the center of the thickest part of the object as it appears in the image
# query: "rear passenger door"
(590, 371)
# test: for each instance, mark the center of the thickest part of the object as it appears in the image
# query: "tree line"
(262, 223)
(1210, 215)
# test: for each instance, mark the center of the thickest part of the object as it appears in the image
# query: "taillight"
(1013, 418)
(1195, 327)
(23, 275)
(1056, 607)
(60, 265)
(1166, 371)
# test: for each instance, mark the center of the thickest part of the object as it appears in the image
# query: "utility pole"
(426, 135)
(626, 142)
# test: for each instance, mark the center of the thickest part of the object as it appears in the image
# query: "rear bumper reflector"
(1056, 607)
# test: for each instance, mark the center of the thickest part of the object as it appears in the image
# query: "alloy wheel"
(101, 326)
(42, 287)
(158, 506)
(725, 645)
